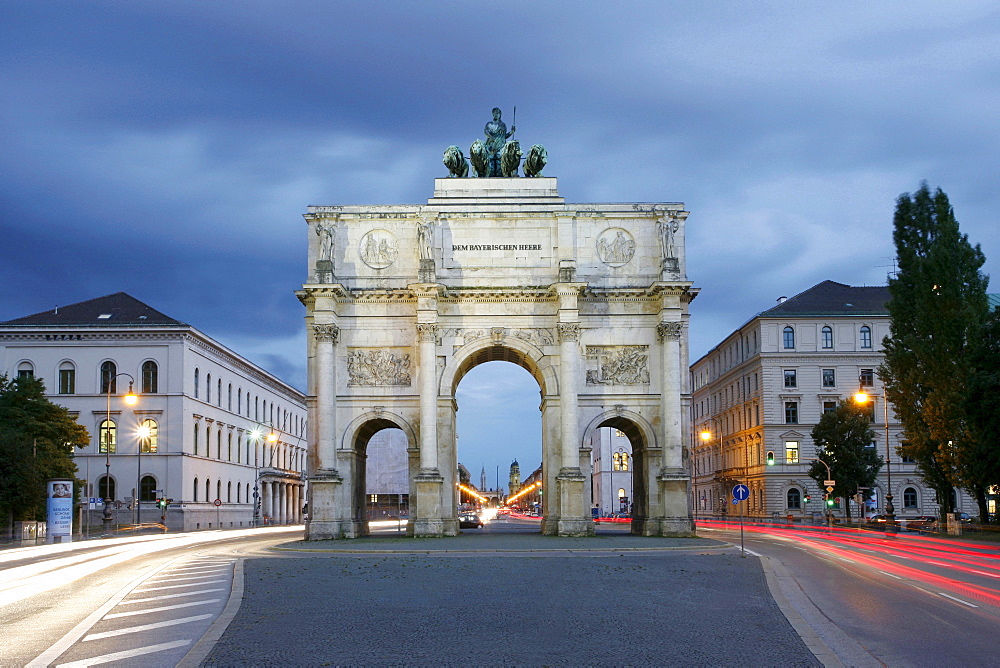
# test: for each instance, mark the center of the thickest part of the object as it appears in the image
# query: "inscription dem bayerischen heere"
(494, 247)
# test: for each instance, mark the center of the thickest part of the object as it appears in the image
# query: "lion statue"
(455, 162)
(535, 162)
(510, 158)
(480, 161)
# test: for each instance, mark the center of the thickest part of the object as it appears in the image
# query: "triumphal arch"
(403, 300)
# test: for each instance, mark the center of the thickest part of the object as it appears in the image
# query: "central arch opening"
(499, 443)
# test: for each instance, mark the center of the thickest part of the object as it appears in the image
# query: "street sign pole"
(741, 493)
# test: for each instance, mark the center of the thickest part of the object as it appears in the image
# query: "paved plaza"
(503, 600)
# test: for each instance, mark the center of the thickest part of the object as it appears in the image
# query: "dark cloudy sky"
(169, 149)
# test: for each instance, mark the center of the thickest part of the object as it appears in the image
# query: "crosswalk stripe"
(145, 627)
(163, 608)
(126, 654)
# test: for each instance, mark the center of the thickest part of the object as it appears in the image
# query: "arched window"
(229, 401)
(866, 337)
(616, 461)
(147, 488)
(195, 488)
(208, 489)
(229, 455)
(108, 440)
(208, 441)
(218, 394)
(218, 444)
(196, 429)
(239, 400)
(149, 377)
(208, 387)
(106, 487)
(25, 370)
(149, 436)
(794, 498)
(67, 378)
(196, 385)
(624, 461)
(218, 489)
(229, 492)
(788, 337)
(256, 408)
(827, 337)
(239, 489)
(109, 381)
(909, 497)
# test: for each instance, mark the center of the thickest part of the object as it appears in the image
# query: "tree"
(843, 439)
(979, 463)
(37, 438)
(937, 305)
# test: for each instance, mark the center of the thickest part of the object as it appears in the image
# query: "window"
(67, 378)
(791, 412)
(794, 499)
(106, 487)
(827, 336)
(25, 370)
(108, 437)
(829, 406)
(218, 394)
(208, 489)
(218, 444)
(867, 378)
(195, 383)
(829, 378)
(229, 400)
(788, 337)
(147, 488)
(229, 492)
(239, 400)
(148, 436)
(230, 444)
(907, 459)
(208, 388)
(909, 498)
(616, 459)
(218, 490)
(109, 373)
(624, 461)
(195, 488)
(866, 337)
(149, 377)
(791, 452)
(790, 378)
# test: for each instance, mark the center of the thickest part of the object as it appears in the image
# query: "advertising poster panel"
(60, 511)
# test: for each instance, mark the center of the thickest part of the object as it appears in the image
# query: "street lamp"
(862, 397)
(131, 399)
(143, 432)
(258, 436)
(706, 436)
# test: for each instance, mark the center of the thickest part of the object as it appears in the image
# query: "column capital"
(669, 331)
(568, 331)
(427, 331)
(326, 333)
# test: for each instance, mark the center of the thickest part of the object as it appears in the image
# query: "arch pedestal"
(403, 301)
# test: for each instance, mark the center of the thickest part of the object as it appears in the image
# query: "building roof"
(994, 298)
(832, 298)
(117, 310)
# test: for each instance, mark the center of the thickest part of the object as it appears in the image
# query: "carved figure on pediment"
(510, 158)
(377, 367)
(666, 226)
(534, 163)
(457, 166)
(327, 241)
(618, 365)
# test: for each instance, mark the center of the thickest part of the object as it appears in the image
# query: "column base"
(574, 518)
(429, 518)
(335, 529)
(676, 519)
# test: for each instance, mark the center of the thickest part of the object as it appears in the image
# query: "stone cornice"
(59, 335)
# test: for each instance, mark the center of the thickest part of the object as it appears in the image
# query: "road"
(134, 601)
(907, 600)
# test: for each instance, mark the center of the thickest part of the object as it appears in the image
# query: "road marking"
(850, 561)
(169, 596)
(127, 654)
(176, 579)
(971, 605)
(752, 552)
(145, 627)
(989, 575)
(193, 584)
(892, 575)
(162, 608)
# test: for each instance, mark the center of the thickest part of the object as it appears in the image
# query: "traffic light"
(770, 458)
(162, 503)
(808, 498)
(829, 502)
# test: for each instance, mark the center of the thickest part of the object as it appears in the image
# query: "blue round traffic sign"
(741, 492)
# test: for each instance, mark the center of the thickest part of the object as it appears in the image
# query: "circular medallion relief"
(378, 249)
(615, 246)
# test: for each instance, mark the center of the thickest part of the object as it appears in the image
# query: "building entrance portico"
(403, 301)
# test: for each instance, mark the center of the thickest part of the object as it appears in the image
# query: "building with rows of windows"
(758, 394)
(210, 430)
(611, 472)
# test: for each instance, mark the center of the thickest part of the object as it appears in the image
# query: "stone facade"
(402, 301)
(759, 393)
(203, 402)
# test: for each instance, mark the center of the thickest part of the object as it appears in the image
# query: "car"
(469, 521)
(921, 523)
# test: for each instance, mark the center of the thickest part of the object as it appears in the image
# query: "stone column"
(430, 509)
(330, 499)
(265, 500)
(326, 396)
(573, 518)
(673, 477)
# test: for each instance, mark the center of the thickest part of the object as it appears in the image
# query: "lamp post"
(890, 510)
(706, 436)
(131, 399)
(826, 495)
(258, 436)
(143, 433)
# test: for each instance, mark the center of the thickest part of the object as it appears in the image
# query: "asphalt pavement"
(505, 600)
